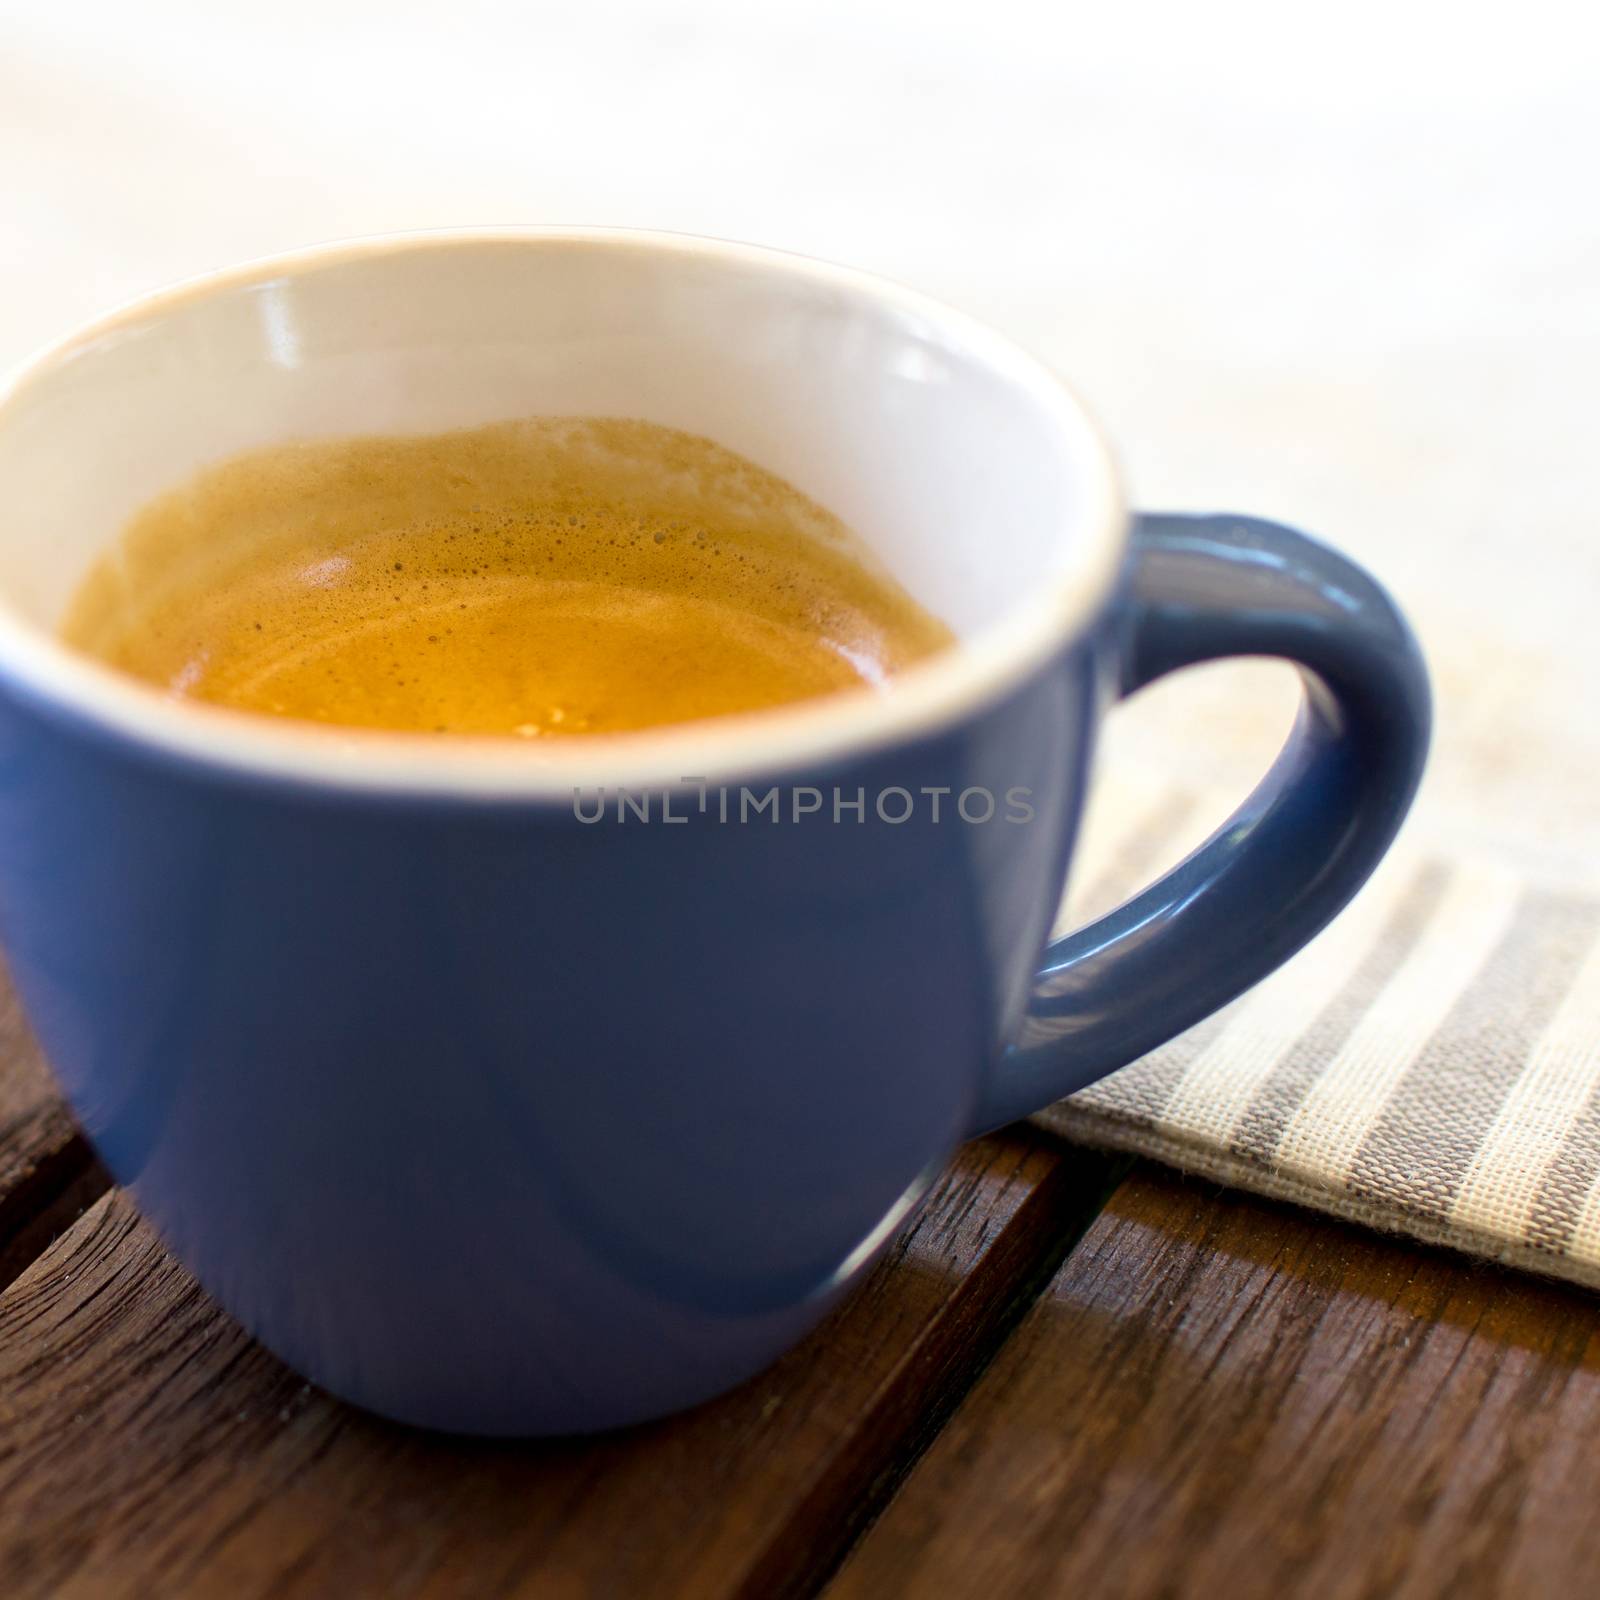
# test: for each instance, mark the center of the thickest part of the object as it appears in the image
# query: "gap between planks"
(48, 1174)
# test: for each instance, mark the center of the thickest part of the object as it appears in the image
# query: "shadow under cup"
(480, 1111)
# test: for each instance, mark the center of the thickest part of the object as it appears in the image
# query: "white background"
(1336, 264)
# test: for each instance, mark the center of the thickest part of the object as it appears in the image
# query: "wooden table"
(1073, 1375)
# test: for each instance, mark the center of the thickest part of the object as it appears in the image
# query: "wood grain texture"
(149, 1447)
(1222, 1396)
(48, 1174)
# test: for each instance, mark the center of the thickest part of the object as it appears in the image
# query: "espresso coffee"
(540, 579)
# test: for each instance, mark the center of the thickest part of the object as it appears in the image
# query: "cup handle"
(1279, 869)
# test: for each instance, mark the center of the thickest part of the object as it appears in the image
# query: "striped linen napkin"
(1430, 1064)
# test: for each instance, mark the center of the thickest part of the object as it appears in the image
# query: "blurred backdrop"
(1336, 265)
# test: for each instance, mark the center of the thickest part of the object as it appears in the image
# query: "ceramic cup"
(532, 1090)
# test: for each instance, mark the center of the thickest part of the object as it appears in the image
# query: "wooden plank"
(1222, 1396)
(149, 1447)
(48, 1174)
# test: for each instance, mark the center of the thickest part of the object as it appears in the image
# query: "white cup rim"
(980, 670)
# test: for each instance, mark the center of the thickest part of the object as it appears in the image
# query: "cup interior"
(967, 469)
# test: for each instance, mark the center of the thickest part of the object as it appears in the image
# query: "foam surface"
(546, 578)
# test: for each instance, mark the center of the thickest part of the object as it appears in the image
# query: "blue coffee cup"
(524, 1090)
